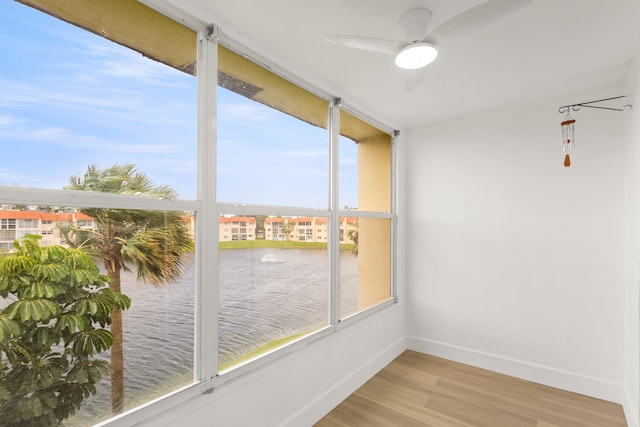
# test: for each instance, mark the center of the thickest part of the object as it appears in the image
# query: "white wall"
(515, 263)
(632, 270)
(299, 388)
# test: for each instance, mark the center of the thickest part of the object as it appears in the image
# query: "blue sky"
(69, 98)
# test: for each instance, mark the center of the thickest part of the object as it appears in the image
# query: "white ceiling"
(549, 49)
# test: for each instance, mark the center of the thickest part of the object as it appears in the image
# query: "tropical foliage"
(54, 325)
(287, 228)
(353, 236)
(153, 243)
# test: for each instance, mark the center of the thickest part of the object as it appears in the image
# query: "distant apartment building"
(307, 229)
(16, 224)
(236, 228)
(347, 226)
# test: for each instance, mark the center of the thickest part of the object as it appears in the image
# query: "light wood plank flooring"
(421, 390)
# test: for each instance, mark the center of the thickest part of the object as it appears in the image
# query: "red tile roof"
(56, 217)
(44, 216)
(19, 215)
(272, 220)
(237, 219)
(316, 220)
(82, 217)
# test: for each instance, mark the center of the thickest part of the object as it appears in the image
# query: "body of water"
(265, 294)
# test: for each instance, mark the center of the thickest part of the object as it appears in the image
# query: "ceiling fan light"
(416, 55)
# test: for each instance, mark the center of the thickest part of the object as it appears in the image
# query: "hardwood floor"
(421, 390)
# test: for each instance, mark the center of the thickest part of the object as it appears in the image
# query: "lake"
(265, 294)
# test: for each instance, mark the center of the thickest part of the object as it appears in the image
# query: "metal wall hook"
(576, 107)
(568, 108)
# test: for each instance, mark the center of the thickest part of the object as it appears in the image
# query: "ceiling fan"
(420, 45)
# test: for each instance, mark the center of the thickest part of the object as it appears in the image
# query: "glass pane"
(145, 255)
(365, 272)
(71, 99)
(364, 165)
(348, 170)
(273, 289)
(273, 146)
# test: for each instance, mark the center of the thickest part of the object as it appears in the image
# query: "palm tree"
(154, 243)
(287, 227)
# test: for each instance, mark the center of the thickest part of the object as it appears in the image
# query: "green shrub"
(55, 323)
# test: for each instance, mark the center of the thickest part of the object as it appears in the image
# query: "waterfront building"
(307, 229)
(236, 228)
(15, 224)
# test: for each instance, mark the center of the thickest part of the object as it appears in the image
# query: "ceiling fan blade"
(414, 24)
(475, 18)
(390, 47)
(413, 78)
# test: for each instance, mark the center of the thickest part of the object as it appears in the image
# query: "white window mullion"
(334, 220)
(206, 347)
(91, 199)
(251, 209)
(394, 210)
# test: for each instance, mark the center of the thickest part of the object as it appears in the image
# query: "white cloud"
(246, 113)
(9, 120)
(90, 101)
(320, 154)
(48, 134)
(67, 138)
(18, 94)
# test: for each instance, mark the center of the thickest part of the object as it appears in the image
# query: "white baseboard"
(564, 380)
(311, 413)
(630, 412)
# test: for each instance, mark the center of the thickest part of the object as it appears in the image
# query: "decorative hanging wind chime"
(568, 124)
(568, 138)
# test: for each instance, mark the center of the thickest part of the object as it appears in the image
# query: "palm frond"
(159, 253)
(120, 179)
(154, 242)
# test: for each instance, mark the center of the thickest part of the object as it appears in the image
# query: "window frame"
(333, 214)
(28, 223)
(8, 224)
(207, 211)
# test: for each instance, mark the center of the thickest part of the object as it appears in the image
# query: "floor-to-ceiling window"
(272, 167)
(238, 212)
